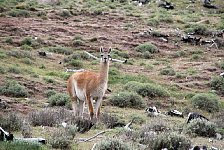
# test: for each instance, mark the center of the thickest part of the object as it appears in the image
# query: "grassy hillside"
(167, 74)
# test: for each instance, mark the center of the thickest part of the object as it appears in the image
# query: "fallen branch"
(74, 70)
(91, 55)
(94, 145)
(128, 125)
(90, 138)
(113, 60)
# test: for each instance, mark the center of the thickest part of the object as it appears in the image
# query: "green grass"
(20, 146)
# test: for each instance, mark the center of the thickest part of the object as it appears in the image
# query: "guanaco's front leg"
(90, 106)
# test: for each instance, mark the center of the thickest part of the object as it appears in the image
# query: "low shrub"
(64, 13)
(20, 146)
(77, 56)
(27, 61)
(49, 117)
(112, 121)
(20, 54)
(14, 69)
(26, 47)
(153, 22)
(13, 88)
(171, 141)
(76, 64)
(167, 71)
(9, 40)
(147, 47)
(114, 144)
(11, 122)
(26, 130)
(127, 99)
(49, 79)
(146, 89)
(2, 70)
(207, 102)
(60, 140)
(219, 119)
(59, 99)
(60, 50)
(49, 93)
(200, 127)
(197, 29)
(19, 13)
(151, 91)
(217, 83)
(132, 86)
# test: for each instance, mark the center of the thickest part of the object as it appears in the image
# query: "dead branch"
(113, 60)
(91, 55)
(90, 138)
(128, 125)
(74, 70)
(94, 145)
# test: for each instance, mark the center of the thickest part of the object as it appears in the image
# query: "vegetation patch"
(147, 47)
(14, 89)
(60, 50)
(18, 13)
(127, 99)
(167, 71)
(112, 144)
(170, 141)
(112, 121)
(20, 54)
(20, 146)
(59, 99)
(207, 102)
(200, 127)
(11, 122)
(217, 83)
(199, 29)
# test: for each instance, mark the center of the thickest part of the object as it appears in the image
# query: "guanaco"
(86, 86)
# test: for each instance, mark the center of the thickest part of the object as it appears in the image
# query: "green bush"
(60, 140)
(77, 56)
(26, 47)
(171, 141)
(197, 29)
(11, 122)
(112, 121)
(113, 144)
(59, 99)
(13, 88)
(14, 69)
(20, 54)
(151, 91)
(153, 22)
(167, 71)
(49, 80)
(60, 50)
(49, 93)
(146, 89)
(27, 41)
(64, 13)
(133, 86)
(207, 102)
(217, 83)
(49, 117)
(2, 70)
(9, 40)
(76, 63)
(127, 99)
(19, 13)
(20, 146)
(200, 127)
(147, 47)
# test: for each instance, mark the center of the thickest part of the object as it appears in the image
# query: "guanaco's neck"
(104, 69)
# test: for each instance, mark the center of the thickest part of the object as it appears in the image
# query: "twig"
(90, 138)
(114, 60)
(73, 70)
(94, 145)
(91, 55)
(128, 125)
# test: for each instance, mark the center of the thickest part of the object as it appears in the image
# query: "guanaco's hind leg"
(81, 107)
(75, 105)
(90, 106)
(97, 108)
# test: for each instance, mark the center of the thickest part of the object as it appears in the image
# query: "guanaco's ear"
(110, 49)
(101, 49)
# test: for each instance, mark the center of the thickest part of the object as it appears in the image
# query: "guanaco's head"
(105, 54)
